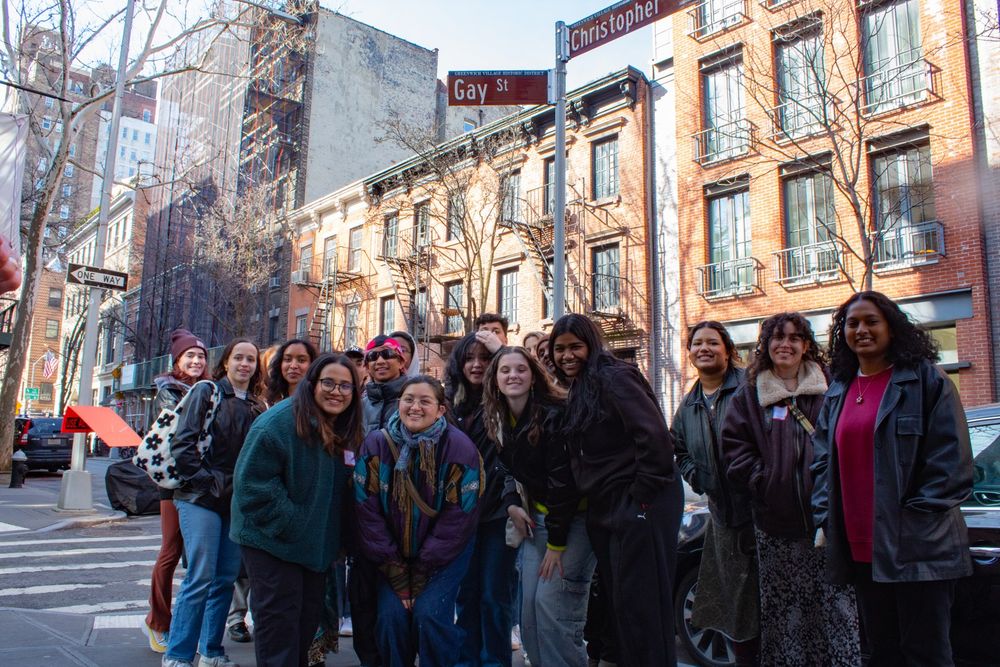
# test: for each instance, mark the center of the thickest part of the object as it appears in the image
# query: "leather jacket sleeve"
(820, 468)
(685, 462)
(561, 493)
(943, 465)
(184, 448)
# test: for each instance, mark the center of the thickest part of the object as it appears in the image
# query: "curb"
(84, 521)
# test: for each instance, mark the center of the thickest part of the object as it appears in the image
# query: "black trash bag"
(131, 490)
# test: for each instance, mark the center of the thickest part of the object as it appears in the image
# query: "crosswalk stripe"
(100, 607)
(78, 552)
(118, 621)
(42, 590)
(75, 566)
(77, 540)
(9, 527)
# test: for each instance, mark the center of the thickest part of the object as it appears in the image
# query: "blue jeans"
(203, 601)
(486, 599)
(429, 629)
(554, 612)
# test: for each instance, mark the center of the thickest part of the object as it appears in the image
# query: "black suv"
(42, 441)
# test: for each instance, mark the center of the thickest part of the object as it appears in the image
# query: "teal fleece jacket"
(287, 493)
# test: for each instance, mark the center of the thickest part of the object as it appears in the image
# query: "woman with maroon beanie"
(892, 464)
(190, 364)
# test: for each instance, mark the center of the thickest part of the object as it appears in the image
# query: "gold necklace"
(861, 392)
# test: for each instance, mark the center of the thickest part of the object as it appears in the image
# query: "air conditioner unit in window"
(276, 282)
(300, 277)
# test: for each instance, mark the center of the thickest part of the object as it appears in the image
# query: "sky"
(469, 34)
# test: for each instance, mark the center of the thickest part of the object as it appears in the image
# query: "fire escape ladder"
(319, 326)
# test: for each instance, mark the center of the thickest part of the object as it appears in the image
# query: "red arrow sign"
(484, 88)
(616, 21)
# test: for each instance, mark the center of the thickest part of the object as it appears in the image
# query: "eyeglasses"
(409, 401)
(384, 353)
(329, 385)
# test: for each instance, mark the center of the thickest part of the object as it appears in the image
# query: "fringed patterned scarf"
(425, 444)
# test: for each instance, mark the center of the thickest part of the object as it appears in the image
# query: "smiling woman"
(290, 483)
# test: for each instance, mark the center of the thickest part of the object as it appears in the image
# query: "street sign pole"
(559, 218)
(75, 491)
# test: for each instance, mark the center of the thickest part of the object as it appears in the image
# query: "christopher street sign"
(482, 88)
(96, 277)
(616, 21)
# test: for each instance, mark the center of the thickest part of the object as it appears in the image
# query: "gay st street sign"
(492, 87)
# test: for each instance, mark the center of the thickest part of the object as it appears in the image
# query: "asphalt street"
(74, 592)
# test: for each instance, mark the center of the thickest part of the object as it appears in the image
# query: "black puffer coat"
(697, 448)
(923, 472)
(208, 480)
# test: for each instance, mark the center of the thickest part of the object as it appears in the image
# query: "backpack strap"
(411, 489)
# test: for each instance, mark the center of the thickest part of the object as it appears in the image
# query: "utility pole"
(75, 492)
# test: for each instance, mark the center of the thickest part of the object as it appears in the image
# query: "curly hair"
(909, 346)
(761, 355)
(732, 354)
(544, 395)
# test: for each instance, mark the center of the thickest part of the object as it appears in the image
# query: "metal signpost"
(483, 88)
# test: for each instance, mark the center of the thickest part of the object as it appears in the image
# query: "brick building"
(808, 160)
(402, 248)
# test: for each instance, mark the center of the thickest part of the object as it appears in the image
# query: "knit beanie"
(183, 340)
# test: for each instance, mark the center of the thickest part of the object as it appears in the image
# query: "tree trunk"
(17, 355)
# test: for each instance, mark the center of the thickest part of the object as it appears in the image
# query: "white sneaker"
(217, 661)
(346, 627)
(174, 662)
(515, 638)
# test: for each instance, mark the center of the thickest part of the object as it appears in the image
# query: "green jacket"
(288, 493)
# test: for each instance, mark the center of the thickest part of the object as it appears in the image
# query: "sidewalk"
(33, 508)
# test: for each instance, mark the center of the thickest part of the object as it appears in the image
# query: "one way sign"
(95, 277)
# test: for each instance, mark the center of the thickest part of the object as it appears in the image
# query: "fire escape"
(335, 287)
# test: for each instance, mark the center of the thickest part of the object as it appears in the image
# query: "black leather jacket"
(923, 472)
(697, 449)
(208, 480)
(492, 503)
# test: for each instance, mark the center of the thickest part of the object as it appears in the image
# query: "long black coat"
(923, 471)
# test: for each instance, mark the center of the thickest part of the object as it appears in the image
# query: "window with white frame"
(306, 258)
(454, 302)
(605, 278)
(67, 191)
(421, 225)
(69, 171)
(511, 191)
(895, 71)
(801, 78)
(904, 208)
(507, 294)
(456, 217)
(387, 314)
(64, 212)
(418, 311)
(352, 325)
(726, 134)
(147, 115)
(354, 249)
(329, 255)
(731, 269)
(390, 235)
(604, 168)
(810, 252)
(301, 322)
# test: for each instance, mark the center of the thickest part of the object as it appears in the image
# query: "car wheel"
(708, 648)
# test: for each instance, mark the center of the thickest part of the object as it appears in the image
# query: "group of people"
(536, 486)
(834, 482)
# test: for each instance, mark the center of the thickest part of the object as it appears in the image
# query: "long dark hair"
(254, 388)
(761, 356)
(544, 395)
(584, 406)
(909, 346)
(459, 392)
(346, 431)
(277, 385)
(732, 354)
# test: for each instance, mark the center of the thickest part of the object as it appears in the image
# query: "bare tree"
(236, 253)
(829, 98)
(470, 191)
(67, 37)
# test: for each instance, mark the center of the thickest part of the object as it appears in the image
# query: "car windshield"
(39, 426)
(986, 463)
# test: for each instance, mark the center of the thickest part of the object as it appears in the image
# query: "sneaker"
(346, 627)
(174, 662)
(515, 638)
(239, 632)
(217, 661)
(157, 640)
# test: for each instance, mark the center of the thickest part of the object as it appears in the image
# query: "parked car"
(43, 442)
(975, 631)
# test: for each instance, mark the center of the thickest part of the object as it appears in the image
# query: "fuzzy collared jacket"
(767, 452)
